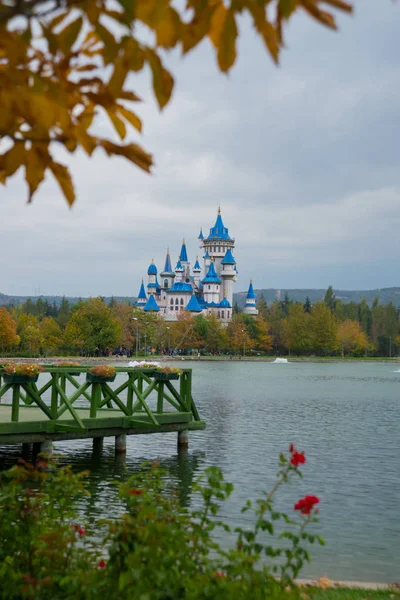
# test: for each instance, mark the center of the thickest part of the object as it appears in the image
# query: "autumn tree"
(66, 63)
(51, 334)
(330, 298)
(184, 335)
(8, 331)
(239, 337)
(351, 337)
(323, 328)
(296, 331)
(264, 339)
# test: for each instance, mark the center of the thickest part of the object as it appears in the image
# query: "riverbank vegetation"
(156, 549)
(94, 328)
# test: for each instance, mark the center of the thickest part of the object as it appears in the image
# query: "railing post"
(54, 395)
(15, 402)
(189, 391)
(95, 399)
(140, 388)
(160, 398)
(182, 388)
(129, 399)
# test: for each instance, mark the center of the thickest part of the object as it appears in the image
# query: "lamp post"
(137, 335)
(169, 339)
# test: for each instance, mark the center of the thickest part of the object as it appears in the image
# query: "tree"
(262, 308)
(123, 312)
(184, 333)
(240, 339)
(93, 323)
(264, 339)
(307, 305)
(8, 330)
(66, 62)
(296, 335)
(51, 333)
(64, 312)
(323, 329)
(351, 338)
(330, 298)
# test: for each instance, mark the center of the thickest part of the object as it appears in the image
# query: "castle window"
(215, 248)
(172, 301)
(219, 314)
(176, 301)
(219, 248)
(209, 287)
(227, 314)
(223, 314)
(176, 307)
(181, 301)
(165, 283)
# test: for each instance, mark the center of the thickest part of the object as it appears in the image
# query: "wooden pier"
(65, 405)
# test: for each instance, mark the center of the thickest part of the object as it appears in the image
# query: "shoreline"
(178, 358)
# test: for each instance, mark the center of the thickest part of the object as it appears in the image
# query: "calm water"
(345, 416)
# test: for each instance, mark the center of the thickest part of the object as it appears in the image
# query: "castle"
(184, 289)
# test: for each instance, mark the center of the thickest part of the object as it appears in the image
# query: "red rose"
(306, 504)
(297, 458)
(81, 531)
(135, 492)
(101, 564)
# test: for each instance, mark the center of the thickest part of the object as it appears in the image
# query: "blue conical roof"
(151, 304)
(197, 267)
(152, 270)
(211, 276)
(250, 293)
(225, 303)
(201, 236)
(183, 255)
(219, 231)
(206, 255)
(168, 266)
(228, 258)
(178, 266)
(142, 293)
(193, 305)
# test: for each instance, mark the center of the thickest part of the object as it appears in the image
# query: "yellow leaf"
(64, 180)
(117, 79)
(217, 24)
(340, 5)
(87, 141)
(68, 36)
(119, 125)
(227, 43)
(130, 117)
(110, 46)
(162, 79)
(271, 39)
(3, 177)
(168, 28)
(126, 95)
(320, 15)
(37, 161)
(57, 20)
(14, 158)
(131, 152)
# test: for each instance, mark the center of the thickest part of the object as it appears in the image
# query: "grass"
(349, 594)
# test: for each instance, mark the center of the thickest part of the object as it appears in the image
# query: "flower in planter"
(29, 370)
(102, 371)
(168, 370)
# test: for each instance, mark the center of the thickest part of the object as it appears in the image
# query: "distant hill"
(385, 295)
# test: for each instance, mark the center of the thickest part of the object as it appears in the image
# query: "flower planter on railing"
(68, 366)
(20, 373)
(98, 379)
(160, 376)
(101, 374)
(19, 379)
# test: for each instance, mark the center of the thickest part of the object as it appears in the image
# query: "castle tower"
(151, 305)
(211, 286)
(152, 280)
(228, 276)
(142, 298)
(218, 242)
(183, 257)
(197, 272)
(179, 271)
(250, 306)
(201, 238)
(167, 275)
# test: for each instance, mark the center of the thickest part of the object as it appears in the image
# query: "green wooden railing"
(69, 402)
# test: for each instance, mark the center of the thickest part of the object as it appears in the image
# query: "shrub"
(155, 550)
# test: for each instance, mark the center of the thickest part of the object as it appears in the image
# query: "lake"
(344, 415)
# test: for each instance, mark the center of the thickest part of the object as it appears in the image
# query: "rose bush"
(156, 550)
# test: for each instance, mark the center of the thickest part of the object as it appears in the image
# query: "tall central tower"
(218, 247)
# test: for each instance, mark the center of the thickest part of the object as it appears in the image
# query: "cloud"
(304, 160)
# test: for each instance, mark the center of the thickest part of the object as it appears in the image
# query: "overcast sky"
(303, 159)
